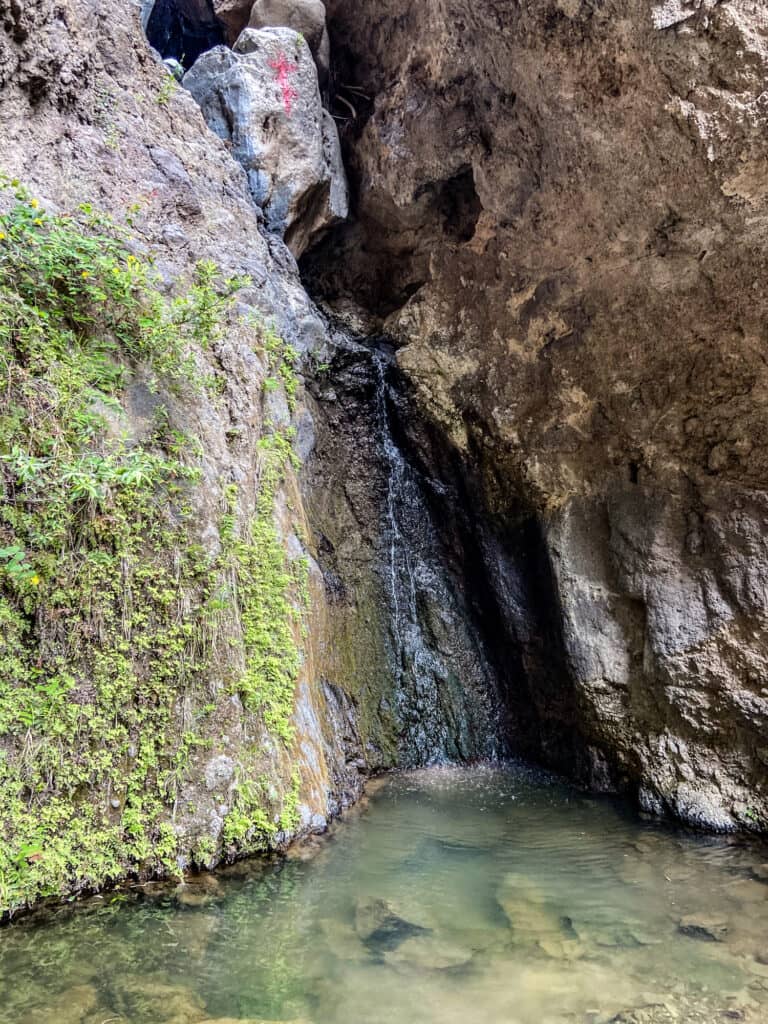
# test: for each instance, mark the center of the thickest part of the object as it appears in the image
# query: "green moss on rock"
(110, 615)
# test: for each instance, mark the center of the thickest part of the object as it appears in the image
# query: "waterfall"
(432, 704)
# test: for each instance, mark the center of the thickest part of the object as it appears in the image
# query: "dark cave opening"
(183, 29)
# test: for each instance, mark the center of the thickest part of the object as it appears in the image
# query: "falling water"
(432, 706)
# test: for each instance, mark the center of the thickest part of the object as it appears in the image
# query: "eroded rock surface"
(562, 225)
(89, 114)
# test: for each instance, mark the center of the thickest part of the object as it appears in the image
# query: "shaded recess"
(499, 557)
(183, 29)
(382, 262)
(476, 666)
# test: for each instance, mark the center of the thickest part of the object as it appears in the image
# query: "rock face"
(562, 228)
(262, 99)
(525, 487)
(91, 115)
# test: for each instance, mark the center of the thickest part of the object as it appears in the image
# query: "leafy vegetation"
(110, 616)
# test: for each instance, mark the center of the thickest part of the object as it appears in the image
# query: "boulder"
(304, 16)
(263, 100)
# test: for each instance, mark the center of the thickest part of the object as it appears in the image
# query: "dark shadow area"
(380, 264)
(183, 29)
(500, 560)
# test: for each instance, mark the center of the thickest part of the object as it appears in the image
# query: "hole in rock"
(456, 203)
(183, 29)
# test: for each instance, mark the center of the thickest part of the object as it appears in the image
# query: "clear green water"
(478, 896)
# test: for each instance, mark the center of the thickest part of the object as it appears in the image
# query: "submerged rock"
(262, 98)
(703, 927)
(379, 925)
(198, 891)
(343, 941)
(152, 998)
(534, 924)
(73, 1006)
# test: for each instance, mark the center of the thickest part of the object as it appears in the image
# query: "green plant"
(111, 616)
(166, 90)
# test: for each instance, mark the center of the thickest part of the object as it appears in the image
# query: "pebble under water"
(458, 896)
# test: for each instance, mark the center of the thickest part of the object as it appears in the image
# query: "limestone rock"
(263, 100)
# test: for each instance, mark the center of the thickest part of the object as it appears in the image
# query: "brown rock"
(700, 926)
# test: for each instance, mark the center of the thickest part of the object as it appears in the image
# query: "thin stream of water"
(479, 896)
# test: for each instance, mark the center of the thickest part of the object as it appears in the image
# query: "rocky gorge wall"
(502, 492)
(165, 689)
(560, 222)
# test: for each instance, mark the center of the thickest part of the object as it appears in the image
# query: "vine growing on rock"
(109, 612)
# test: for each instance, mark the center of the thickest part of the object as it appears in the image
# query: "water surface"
(458, 896)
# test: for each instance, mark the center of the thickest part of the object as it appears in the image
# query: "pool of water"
(454, 896)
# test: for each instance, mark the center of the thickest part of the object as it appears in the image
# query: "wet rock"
(198, 891)
(651, 502)
(749, 893)
(382, 927)
(702, 927)
(534, 924)
(343, 941)
(760, 872)
(263, 99)
(149, 998)
(219, 771)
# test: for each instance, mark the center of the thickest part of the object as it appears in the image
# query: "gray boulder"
(304, 16)
(263, 99)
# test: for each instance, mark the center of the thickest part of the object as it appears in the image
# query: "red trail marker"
(284, 68)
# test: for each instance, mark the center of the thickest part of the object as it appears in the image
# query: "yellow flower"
(34, 203)
(35, 581)
(2, 235)
(38, 220)
(86, 273)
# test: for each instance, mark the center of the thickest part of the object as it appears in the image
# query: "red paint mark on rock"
(284, 68)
